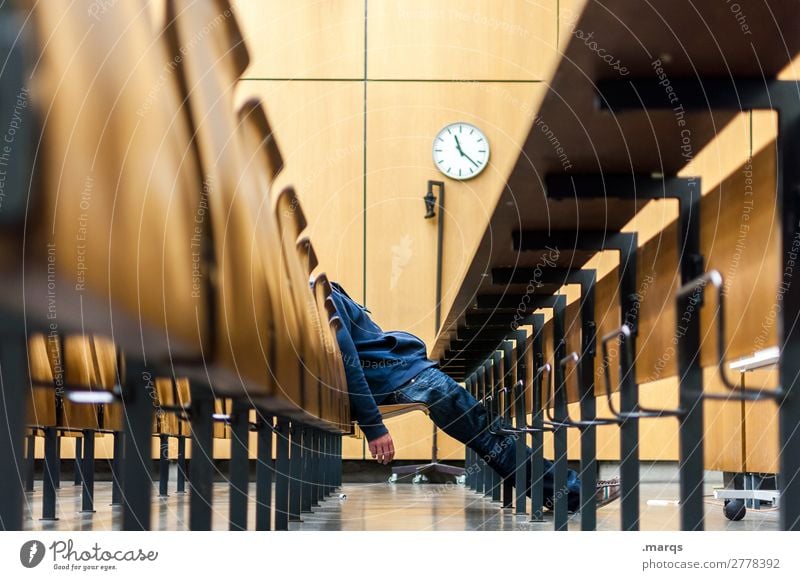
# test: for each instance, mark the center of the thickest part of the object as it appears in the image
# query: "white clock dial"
(461, 151)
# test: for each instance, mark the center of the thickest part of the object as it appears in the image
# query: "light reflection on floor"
(383, 506)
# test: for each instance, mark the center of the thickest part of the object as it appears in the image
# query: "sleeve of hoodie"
(362, 402)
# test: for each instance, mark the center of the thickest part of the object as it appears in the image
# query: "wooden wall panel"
(572, 330)
(549, 357)
(659, 437)
(741, 239)
(319, 129)
(723, 428)
(303, 38)
(413, 436)
(607, 319)
(761, 445)
(353, 447)
(659, 279)
(723, 155)
(402, 120)
(530, 369)
(461, 39)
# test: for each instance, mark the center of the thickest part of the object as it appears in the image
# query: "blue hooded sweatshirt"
(376, 362)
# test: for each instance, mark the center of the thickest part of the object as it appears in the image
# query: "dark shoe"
(607, 491)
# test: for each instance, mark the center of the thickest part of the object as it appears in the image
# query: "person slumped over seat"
(393, 368)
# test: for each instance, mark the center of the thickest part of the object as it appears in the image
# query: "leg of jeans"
(456, 412)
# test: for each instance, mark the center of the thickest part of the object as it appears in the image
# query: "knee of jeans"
(447, 398)
(450, 389)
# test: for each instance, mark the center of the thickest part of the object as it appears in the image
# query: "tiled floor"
(383, 506)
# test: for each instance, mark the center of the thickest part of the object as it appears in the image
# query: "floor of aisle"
(383, 506)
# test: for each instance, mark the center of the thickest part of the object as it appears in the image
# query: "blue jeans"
(456, 412)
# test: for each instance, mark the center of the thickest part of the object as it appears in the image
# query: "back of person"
(388, 359)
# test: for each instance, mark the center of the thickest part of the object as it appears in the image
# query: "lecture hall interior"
(225, 221)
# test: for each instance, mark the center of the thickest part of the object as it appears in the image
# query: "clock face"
(461, 151)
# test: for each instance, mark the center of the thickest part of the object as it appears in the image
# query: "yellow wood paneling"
(607, 319)
(761, 419)
(319, 128)
(723, 155)
(658, 437)
(762, 447)
(460, 39)
(303, 38)
(740, 239)
(412, 435)
(723, 435)
(402, 120)
(792, 70)
(658, 280)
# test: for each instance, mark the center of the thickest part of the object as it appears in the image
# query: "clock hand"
(469, 158)
(460, 150)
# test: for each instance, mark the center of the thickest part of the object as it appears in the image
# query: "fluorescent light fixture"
(90, 397)
(760, 359)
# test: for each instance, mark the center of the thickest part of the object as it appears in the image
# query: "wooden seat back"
(246, 278)
(264, 159)
(115, 213)
(41, 409)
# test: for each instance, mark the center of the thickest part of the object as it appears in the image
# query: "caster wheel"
(461, 479)
(420, 478)
(392, 478)
(734, 509)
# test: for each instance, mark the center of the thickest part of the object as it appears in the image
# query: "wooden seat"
(292, 223)
(41, 410)
(321, 291)
(170, 396)
(337, 393)
(108, 248)
(82, 363)
(178, 254)
(264, 160)
(389, 411)
(173, 402)
(82, 368)
(247, 276)
(331, 384)
(107, 376)
(118, 197)
(308, 257)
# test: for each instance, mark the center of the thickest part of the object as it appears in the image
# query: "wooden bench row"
(679, 305)
(159, 281)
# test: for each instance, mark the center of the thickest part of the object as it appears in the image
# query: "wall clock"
(461, 151)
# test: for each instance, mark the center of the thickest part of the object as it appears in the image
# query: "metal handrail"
(624, 333)
(567, 421)
(738, 392)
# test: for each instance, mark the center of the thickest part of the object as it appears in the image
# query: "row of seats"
(166, 284)
(680, 303)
